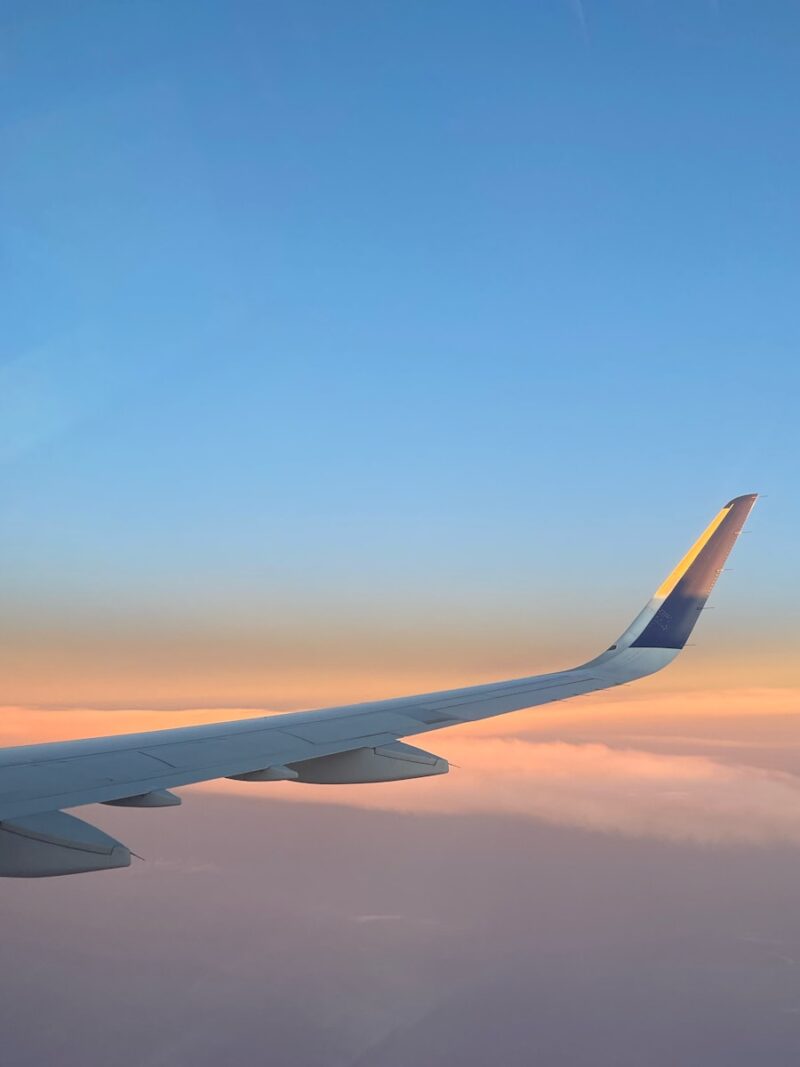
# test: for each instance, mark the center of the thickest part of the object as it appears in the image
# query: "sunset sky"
(352, 350)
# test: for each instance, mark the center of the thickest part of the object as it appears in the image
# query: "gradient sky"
(356, 349)
(350, 325)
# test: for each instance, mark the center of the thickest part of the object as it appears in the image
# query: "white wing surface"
(355, 743)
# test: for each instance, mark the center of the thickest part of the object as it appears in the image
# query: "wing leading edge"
(358, 742)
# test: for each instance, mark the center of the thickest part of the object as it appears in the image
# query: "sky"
(363, 349)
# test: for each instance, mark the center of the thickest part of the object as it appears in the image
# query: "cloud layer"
(590, 786)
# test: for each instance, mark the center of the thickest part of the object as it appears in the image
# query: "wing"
(355, 743)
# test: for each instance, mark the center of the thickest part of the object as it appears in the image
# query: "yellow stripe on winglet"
(675, 576)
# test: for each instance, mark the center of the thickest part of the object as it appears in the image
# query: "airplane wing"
(355, 743)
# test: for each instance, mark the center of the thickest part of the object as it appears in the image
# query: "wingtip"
(749, 497)
(673, 611)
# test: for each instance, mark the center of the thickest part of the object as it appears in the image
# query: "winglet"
(672, 612)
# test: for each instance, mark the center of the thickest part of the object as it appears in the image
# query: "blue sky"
(394, 308)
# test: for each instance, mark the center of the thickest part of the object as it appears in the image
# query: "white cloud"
(589, 786)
